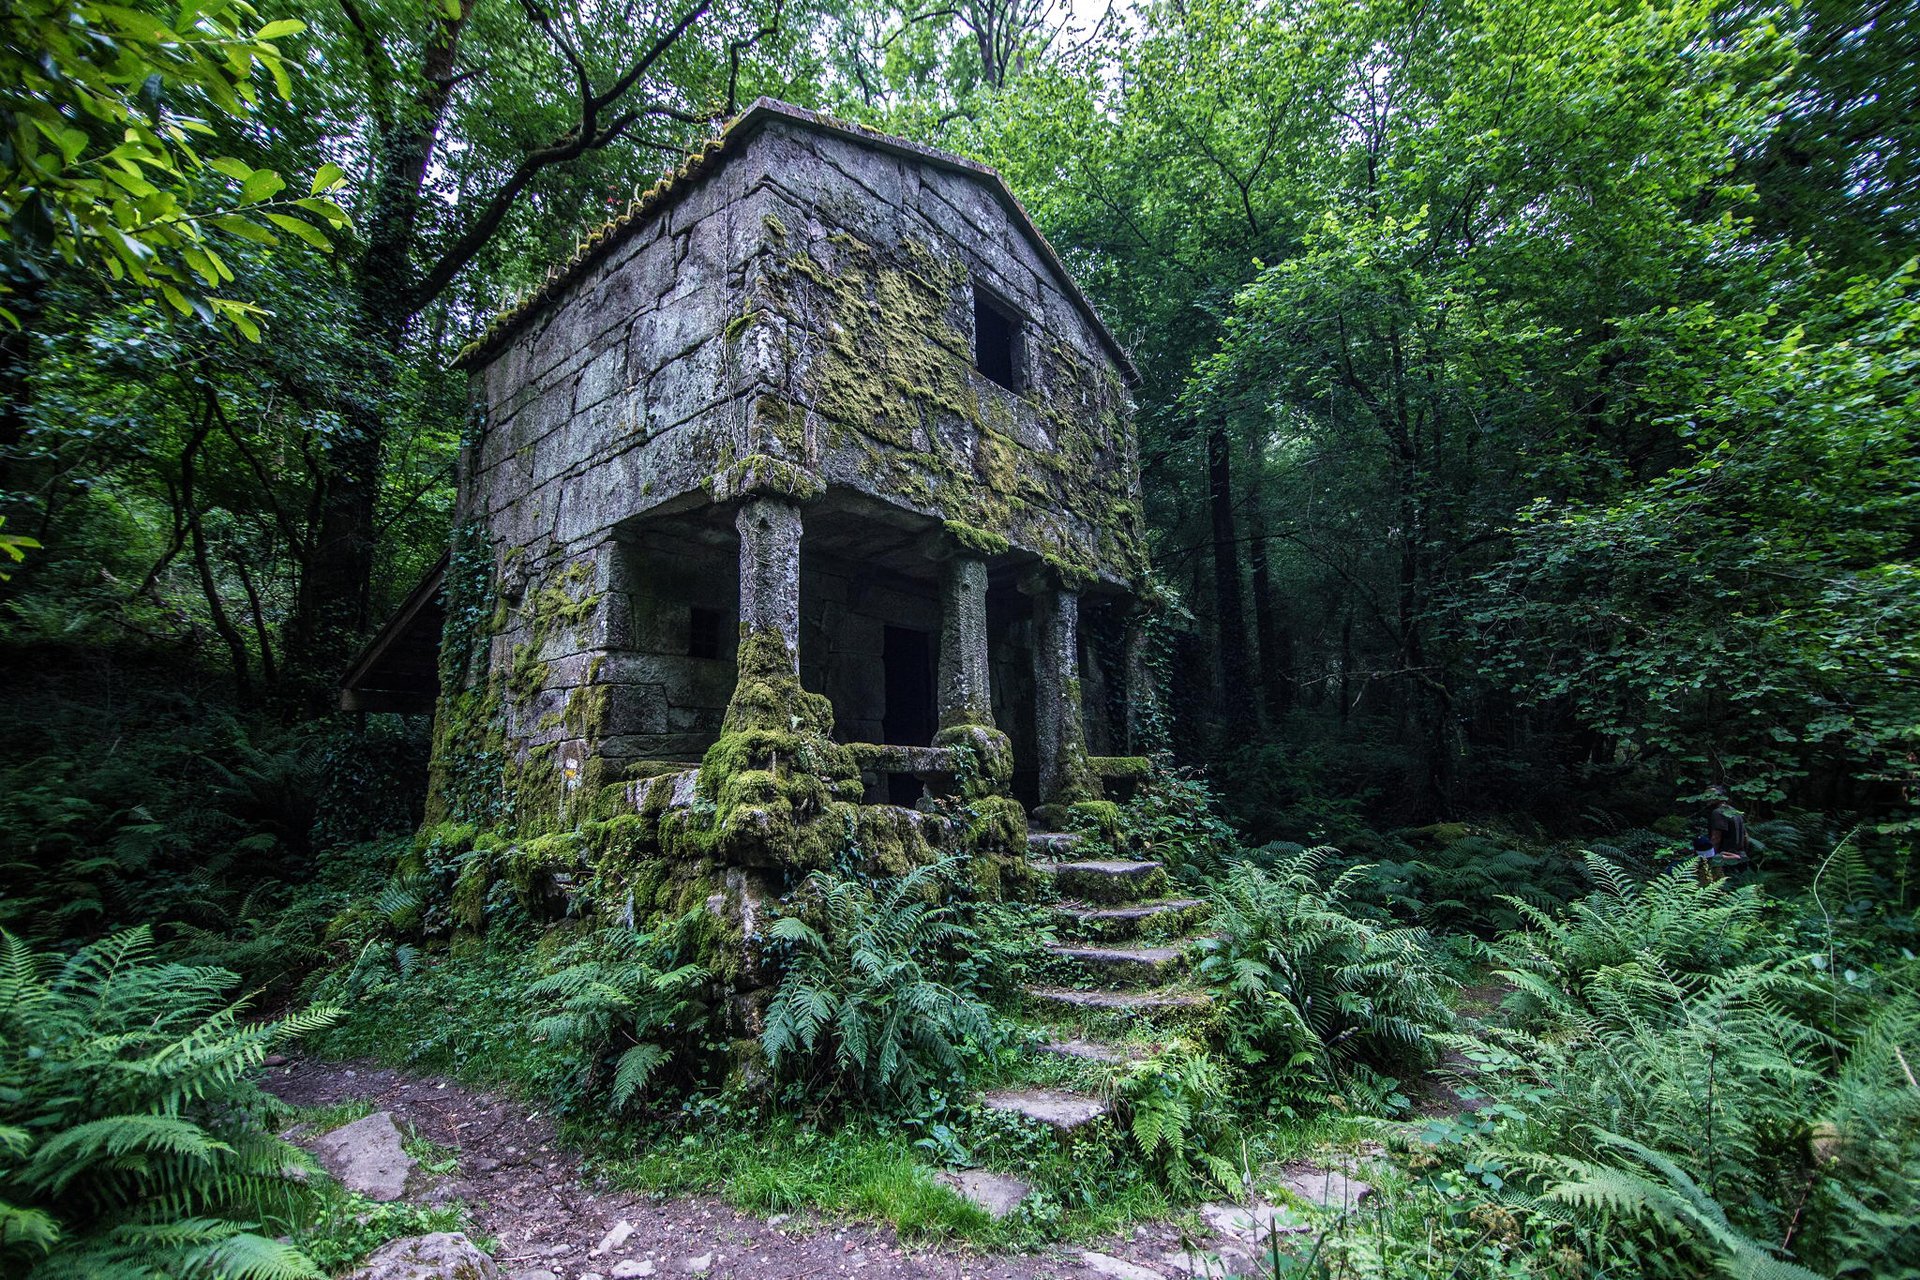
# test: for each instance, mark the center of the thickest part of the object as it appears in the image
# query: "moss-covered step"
(1060, 1109)
(1054, 846)
(1106, 880)
(1119, 966)
(1157, 1002)
(1164, 917)
(1101, 1051)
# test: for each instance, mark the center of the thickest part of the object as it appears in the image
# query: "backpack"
(1736, 837)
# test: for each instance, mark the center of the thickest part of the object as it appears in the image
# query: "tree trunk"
(1275, 639)
(203, 566)
(1229, 609)
(16, 367)
(334, 605)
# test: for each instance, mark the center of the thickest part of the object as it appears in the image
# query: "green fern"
(863, 1011)
(1175, 1105)
(616, 992)
(133, 1138)
(1306, 985)
(1672, 923)
(1654, 1188)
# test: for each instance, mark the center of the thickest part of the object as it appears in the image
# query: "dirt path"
(525, 1188)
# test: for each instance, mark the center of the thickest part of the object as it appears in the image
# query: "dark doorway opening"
(910, 719)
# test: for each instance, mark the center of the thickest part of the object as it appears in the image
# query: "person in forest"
(1726, 827)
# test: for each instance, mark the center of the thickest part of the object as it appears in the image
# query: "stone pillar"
(966, 698)
(1059, 731)
(770, 571)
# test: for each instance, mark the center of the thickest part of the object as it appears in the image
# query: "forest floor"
(529, 1191)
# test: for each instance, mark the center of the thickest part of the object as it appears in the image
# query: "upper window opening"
(996, 340)
(704, 629)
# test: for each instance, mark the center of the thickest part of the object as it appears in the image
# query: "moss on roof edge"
(656, 199)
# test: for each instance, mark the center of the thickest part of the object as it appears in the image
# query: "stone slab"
(1122, 1000)
(997, 1193)
(1059, 1108)
(444, 1255)
(1146, 957)
(1093, 1050)
(1105, 1264)
(1137, 911)
(1329, 1188)
(366, 1156)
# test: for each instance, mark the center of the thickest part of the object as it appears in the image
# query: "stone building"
(809, 471)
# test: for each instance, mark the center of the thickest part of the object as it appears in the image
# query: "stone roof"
(708, 159)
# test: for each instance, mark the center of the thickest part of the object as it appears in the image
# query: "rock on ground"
(998, 1194)
(444, 1255)
(1117, 1268)
(1329, 1188)
(366, 1156)
(1055, 1107)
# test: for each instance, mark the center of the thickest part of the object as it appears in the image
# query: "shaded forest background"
(1528, 425)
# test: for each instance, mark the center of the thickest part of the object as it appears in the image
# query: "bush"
(615, 997)
(863, 1012)
(1303, 984)
(134, 1139)
(1175, 1105)
(1174, 818)
(1671, 924)
(1702, 1096)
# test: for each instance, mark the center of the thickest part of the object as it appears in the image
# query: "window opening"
(996, 340)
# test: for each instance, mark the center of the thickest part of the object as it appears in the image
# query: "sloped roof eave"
(701, 164)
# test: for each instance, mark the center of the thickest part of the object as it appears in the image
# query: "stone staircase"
(1120, 964)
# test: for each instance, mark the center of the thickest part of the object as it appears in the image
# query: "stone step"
(1060, 1109)
(1120, 965)
(1093, 1050)
(1053, 846)
(1106, 880)
(1131, 920)
(1152, 1001)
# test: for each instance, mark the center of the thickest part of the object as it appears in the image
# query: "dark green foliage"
(866, 1011)
(134, 1141)
(371, 781)
(619, 1002)
(1004, 946)
(1734, 1104)
(1176, 1106)
(1671, 924)
(1174, 818)
(1309, 991)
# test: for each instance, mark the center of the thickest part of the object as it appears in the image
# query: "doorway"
(911, 716)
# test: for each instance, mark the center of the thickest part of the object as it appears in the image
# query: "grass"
(866, 1169)
(331, 1116)
(782, 1165)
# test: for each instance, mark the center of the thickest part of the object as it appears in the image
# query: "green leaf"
(260, 185)
(238, 170)
(331, 177)
(305, 231)
(280, 28)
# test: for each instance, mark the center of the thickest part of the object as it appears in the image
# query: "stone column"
(770, 571)
(1059, 731)
(966, 698)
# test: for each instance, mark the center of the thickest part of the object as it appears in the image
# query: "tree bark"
(334, 604)
(1275, 639)
(1229, 608)
(203, 566)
